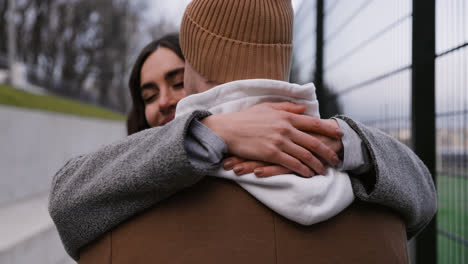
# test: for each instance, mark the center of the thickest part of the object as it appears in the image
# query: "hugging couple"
(342, 192)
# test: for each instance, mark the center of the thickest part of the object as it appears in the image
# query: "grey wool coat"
(92, 194)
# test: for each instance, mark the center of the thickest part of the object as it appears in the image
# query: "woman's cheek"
(152, 114)
(180, 94)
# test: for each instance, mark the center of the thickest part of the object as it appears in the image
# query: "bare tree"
(3, 23)
(67, 44)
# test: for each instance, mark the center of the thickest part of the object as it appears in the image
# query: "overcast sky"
(174, 9)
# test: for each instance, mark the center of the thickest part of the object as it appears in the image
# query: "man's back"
(216, 221)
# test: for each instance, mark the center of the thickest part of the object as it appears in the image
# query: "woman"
(156, 84)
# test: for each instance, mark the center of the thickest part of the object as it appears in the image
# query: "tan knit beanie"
(228, 40)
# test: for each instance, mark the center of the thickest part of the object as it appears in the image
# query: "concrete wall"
(33, 146)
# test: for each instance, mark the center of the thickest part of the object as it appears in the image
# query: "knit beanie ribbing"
(228, 40)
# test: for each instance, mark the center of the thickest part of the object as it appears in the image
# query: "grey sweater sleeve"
(356, 156)
(204, 148)
(398, 179)
(93, 193)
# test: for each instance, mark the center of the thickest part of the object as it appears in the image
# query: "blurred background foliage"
(81, 49)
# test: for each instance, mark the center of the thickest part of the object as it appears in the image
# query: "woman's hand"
(272, 133)
(261, 169)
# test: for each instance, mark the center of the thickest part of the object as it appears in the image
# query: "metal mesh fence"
(369, 66)
(367, 48)
(452, 130)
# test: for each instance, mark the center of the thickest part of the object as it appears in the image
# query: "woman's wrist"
(215, 123)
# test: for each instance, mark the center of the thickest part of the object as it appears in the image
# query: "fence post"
(423, 109)
(318, 78)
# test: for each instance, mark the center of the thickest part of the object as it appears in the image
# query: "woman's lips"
(168, 118)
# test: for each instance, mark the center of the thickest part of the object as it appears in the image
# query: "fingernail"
(339, 133)
(311, 175)
(336, 160)
(324, 171)
(258, 172)
(238, 169)
(228, 165)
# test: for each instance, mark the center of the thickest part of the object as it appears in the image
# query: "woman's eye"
(179, 85)
(149, 99)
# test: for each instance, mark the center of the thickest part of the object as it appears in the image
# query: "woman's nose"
(166, 100)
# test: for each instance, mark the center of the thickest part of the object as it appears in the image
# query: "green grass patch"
(453, 205)
(19, 98)
(452, 217)
(450, 251)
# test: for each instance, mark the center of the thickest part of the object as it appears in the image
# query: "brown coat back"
(216, 221)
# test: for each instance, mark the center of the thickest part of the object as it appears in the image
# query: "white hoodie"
(303, 200)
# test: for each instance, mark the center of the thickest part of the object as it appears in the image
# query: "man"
(215, 220)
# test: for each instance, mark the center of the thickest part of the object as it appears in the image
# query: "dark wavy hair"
(136, 121)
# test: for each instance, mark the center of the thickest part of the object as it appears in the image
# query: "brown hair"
(136, 121)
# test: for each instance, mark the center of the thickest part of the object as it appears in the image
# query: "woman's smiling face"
(162, 86)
